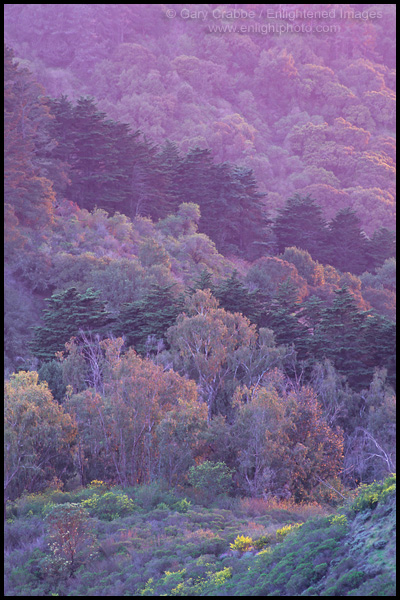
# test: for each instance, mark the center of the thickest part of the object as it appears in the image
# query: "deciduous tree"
(207, 340)
(38, 435)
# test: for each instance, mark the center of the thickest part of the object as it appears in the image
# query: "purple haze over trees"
(308, 112)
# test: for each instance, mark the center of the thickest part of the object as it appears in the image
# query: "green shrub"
(21, 532)
(32, 504)
(171, 530)
(262, 541)
(21, 576)
(217, 579)
(321, 569)
(109, 506)
(349, 581)
(83, 493)
(213, 478)
(368, 496)
(311, 591)
(328, 545)
(214, 545)
(301, 579)
(182, 506)
(147, 496)
(381, 585)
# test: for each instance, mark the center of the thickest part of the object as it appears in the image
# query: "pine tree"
(281, 315)
(68, 312)
(347, 243)
(380, 247)
(151, 316)
(62, 128)
(149, 197)
(339, 337)
(104, 157)
(203, 282)
(195, 182)
(169, 161)
(378, 346)
(235, 297)
(248, 218)
(231, 210)
(310, 315)
(300, 223)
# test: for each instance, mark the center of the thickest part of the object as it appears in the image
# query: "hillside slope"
(348, 554)
(162, 545)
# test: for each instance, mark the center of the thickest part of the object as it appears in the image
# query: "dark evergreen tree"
(91, 173)
(347, 243)
(203, 282)
(150, 317)
(236, 297)
(380, 247)
(69, 312)
(280, 315)
(236, 220)
(378, 345)
(103, 156)
(248, 222)
(196, 181)
(300, 223)
(149, 195)
(356, 342)
(339, 338)
(51, 372)
(62, 129)
(169, 161)
(310, 315)
(232, 214)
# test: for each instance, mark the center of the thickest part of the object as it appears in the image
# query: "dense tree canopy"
(300, 115)
(68, 313)
(199, 256)
(38, 435)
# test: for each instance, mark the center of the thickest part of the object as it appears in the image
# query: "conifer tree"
(339, 337)
(169, 162)
(248, 220)
(203, 282)
(381, 246)
(151, 316)
(230, 205)
(281, 315)
(347, 243)
(235, 297)
(379, 346)
(149, 198)
(68, 312)
(104, 156)
(300, 223)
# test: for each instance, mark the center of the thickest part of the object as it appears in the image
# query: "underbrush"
(368, 496)
(156, 541)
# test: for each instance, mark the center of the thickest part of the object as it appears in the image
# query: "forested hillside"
(199, 284)
(307, 113)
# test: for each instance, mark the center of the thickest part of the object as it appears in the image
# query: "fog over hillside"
(304, 96)
(200, 300)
